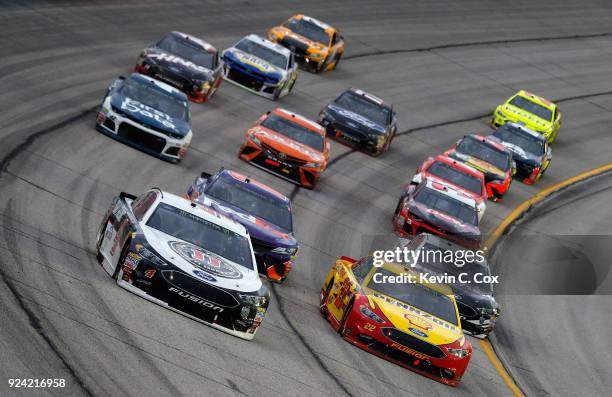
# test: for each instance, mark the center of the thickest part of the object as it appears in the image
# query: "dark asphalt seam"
(475, 43)
(320, 362)
(32, 318)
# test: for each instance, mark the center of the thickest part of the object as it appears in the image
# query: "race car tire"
(118, 271)
(347, 312)
(328, 288)
(277, 93)
(336, 62)
(291, 85)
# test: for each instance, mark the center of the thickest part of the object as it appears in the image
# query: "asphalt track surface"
(444, 65)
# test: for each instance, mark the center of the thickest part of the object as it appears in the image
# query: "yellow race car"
(315, 45)
(532, 111)
(411, 323)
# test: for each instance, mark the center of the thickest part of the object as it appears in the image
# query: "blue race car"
(260, 66)
(148, 114)
(264, 212)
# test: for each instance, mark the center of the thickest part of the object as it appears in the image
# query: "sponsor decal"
(252, 60)
(132, 260)
(205, 260)
(205, 276)
(196, 299)
(417, 321)
(316, 156)
(416, 311)
(409, 351)
(162, 56)
(355, 117)
(369, 327)
(418, 332)
(134, 106)
(150, 273)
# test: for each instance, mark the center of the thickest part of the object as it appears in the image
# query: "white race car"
(260, 66)
(186, 257)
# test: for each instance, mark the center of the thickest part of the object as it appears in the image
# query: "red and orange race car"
(414, 324)
(489, 157)
(288, 145)
(315, 45)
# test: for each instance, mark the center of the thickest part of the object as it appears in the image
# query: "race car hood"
(258, 228)
(193, 260)
(530, 120)
(176, 64)
(288, 146)
(347, 117)
(305, 41)
(489, 170)
(251, 62)
(518, 153)
(444, 221)
(413, 321)
(148, 116)
(417, 178)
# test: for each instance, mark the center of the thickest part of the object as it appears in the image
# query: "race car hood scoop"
(415, 322)
(192, 260)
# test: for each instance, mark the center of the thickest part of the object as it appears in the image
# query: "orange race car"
(287, 145)
(315, 45)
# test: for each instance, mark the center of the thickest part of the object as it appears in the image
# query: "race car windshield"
(485, 152)
(294, 131)
(415, 294)
(453, 175)
(435, 200)
(433, 258)
(309, 30)
(202, 233)
(520, 138)
(155, 98)
(252, 202)
(364, 107)
(265, 53)
(532, 107)
(189, 51)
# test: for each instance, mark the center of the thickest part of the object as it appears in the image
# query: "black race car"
(478, 309)
(530, 150)
(361, 120)
(186, 257)
(185, 62)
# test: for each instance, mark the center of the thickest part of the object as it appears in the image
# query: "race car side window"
(334, 38)
(142, 204)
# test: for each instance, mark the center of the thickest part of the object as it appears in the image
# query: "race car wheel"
(347, 312)
(336, 62)
(277, 93)
(322, 308)
(118, 271)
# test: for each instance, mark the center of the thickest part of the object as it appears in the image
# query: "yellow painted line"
(524, 206)
(518, 211)
(488, 349)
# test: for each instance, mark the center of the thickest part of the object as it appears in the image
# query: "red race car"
(489, 157)
(436, 208)
(412, 324)
(461, 177)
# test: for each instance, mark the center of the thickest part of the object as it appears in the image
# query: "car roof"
(541, 100)
(315, 21)
(255, 185)
(158, 85)
(301, 120)
(449, 191)
(268, 44)
(204, 44)
(459, 165)
(489, 141)
(372, 98)
(202, 211)
(533, 133)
